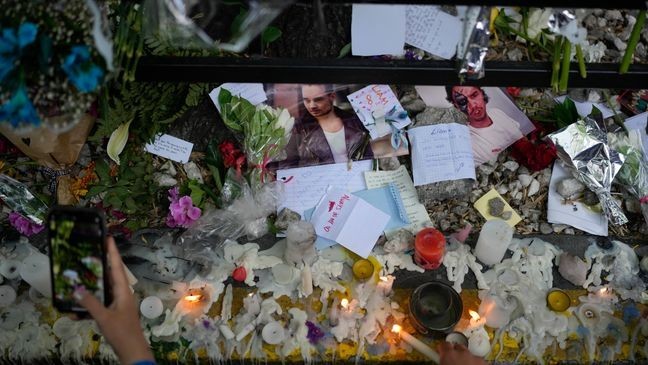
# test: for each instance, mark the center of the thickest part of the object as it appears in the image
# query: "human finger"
(444, 347)
(117, 273)
(90, 303)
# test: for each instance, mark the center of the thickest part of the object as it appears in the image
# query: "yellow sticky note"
(482, 207)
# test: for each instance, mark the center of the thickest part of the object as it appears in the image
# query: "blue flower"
(19, 109)
(11, 45)
(83, 74)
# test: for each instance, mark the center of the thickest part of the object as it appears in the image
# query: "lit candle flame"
(251, 294)
(193, 298)
(344, 303)
(603, 290)
(384, 278)
(396, 328)
(474, 315)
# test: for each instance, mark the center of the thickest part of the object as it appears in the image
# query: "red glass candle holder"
(429, 248)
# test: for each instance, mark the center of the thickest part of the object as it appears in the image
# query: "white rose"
(285, 121)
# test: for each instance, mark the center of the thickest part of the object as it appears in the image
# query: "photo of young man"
(324, 133)
(491, 129)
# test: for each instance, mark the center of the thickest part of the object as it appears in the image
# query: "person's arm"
(119, 323)
(292, 152)
(455, 354)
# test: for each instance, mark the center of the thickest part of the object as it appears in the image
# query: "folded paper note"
(379, 110)
(433, 30)
(573, 213)
(441, 152)
(349, 220)
(170, 147)
(252, 92)
(416, 212)
(303, 187)
(483, 208)
(386, 198)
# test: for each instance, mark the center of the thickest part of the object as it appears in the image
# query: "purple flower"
(182, 212)
(314, 332)
(24, 225)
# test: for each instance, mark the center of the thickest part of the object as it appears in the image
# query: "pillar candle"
(429, 248)
(35, 270)
(7, 295)
(493, 241)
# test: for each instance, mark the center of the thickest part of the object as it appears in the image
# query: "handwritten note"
(377, 29)
(575, 214)
(433, 30)
(305, 186)
(379, 110)
(252, 92)
(170, 147)
(349, 220)
(441, 152)
(416, 211)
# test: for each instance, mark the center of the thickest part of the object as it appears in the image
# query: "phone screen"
(77, 255)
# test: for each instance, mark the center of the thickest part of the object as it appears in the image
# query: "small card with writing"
(170, 147)
(379, 110)
(433, 30)
(441, 152)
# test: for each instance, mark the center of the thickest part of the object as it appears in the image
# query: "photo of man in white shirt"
(491, 129)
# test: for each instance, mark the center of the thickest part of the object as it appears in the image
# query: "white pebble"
(533, 188)
(511, 165)
(525, 180)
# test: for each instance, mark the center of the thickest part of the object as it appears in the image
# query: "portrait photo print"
(495, 122)
(328, 129)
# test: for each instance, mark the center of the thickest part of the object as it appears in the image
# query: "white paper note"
(416, 211)
(349, 221)
(441, 152)
(377, 29)
(433, 30)
(372, 103)
(638, 122)
(584, 108)
(305, 186)
(574, 214)
(170, 147)
(252, 92)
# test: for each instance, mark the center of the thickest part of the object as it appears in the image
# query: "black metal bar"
(366, 71)
(625, 4)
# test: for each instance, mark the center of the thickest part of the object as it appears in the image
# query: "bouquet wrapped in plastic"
(264, 132)
(634, 172)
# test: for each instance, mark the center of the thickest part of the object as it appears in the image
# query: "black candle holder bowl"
(435, 308)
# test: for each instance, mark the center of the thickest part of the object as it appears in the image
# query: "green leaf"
(95, 190)
(345, 50)
(197, 192)
(235, 28)
(103, 171)
(270, 34)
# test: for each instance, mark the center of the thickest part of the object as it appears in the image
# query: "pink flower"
(24, 225)
(182, 212)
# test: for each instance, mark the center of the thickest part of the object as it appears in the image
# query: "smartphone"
(77, 256)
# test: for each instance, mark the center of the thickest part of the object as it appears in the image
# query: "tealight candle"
(416, 344)
(35, 271)
(273, 333)
(10, 269)
(151, 307)
(363, 270)
(429, 248)
(558, 300)
(7, 295)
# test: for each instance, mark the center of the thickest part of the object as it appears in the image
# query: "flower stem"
(555, 69)
(632, 43)
(564, 68)
(581, 61)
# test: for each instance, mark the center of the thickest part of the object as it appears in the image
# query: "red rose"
(513, 91)
(232, 156)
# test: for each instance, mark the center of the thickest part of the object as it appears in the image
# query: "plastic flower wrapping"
(50, 70)
(634, 172)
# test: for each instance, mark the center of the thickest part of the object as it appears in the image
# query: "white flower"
(285, 121)
(117, 141)
(594, 52)
(538, 20)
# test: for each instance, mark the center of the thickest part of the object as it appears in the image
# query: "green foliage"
(133, 190)
(565, 113)
(269, 35)
(345, 50)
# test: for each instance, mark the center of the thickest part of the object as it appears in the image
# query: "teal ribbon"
(394, 117)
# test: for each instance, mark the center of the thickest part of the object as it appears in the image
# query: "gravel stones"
(545, 228)
(285, 218)
(389, 163)
(570, 188)
(496, 206)
(525, 180)
(511, 165)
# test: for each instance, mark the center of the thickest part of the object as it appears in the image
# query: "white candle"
(385, 284)
(479, 343)
(7, 295)
(10, 269)
(226, 331)
(245, 331)
(334, 313)
(273, 333)
(417, 344)
(306, 281)
(35, 271)
(493, 241)
(151, 307)
(283, 274)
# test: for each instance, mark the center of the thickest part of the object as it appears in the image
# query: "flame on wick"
(396, 328)
(251, 294)
(603, 290)
(344, 303)
(193, 298)
(384, 278)
(474, 315)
